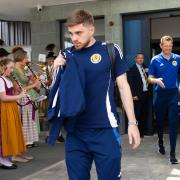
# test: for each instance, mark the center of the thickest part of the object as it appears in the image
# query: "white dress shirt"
(143, 77)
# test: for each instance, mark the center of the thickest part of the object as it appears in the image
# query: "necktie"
(145, 76)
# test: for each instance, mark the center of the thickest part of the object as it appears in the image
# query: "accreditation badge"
(174, 63)
(96, 58)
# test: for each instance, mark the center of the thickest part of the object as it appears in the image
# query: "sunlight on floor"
(175, 173)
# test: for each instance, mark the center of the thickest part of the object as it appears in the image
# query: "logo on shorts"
(174, 63)
(95, 58)
(119, 175)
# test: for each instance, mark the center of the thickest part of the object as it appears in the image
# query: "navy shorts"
(103, 146)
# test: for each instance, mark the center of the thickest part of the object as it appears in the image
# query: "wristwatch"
(133, 123)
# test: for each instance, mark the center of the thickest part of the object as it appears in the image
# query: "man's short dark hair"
(139, 53)
(80, 17)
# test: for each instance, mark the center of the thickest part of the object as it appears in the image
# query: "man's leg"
(138, 115)
(144, 112)
(78, 160)
(173, 124)
(161, 107)
(107, 154)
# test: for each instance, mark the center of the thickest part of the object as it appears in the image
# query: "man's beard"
(82, 46)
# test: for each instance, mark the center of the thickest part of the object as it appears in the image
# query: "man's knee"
(78, 168)
(109, 168)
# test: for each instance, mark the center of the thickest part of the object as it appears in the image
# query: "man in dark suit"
(137, 79)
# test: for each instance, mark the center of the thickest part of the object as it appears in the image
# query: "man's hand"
(146, 70)
(159, 81)
(134, 136)
(59, 61)
(135, 98)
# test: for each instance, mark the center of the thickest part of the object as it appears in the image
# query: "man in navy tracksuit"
(163, 72)
(95, 136)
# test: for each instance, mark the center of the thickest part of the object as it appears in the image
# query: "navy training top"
(166, 69)
(94, 61)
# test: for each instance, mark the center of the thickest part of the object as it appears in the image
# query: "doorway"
(142, 33)
(165, 26)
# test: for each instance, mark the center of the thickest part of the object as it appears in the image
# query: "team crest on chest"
(174, 63)
(96, 58)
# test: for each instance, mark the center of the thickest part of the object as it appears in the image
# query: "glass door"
(136, 39)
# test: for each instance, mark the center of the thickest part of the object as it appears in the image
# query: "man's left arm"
(126, 97)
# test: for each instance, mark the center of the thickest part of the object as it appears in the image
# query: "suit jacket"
(135, 81)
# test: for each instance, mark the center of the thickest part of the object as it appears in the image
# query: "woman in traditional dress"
(12, 139)
(29, 115)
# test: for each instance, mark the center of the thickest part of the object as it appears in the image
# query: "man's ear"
(92, 29)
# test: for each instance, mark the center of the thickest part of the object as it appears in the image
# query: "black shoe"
(34, 145)
(29, 146)
(46, 139)
(13, 166)
(162, 150)
(173, 159)
(161, 147)
(60, 139)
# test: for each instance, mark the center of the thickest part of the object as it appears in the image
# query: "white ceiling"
(20, 9)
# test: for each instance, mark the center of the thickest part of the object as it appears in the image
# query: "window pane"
(15, 33)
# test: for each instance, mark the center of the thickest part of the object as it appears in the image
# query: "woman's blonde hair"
(3, 65)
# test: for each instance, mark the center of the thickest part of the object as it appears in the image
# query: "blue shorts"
(103, 146)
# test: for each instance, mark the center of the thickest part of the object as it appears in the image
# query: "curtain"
(15, 33)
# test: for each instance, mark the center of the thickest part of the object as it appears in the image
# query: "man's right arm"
(158, 81)
(152, 71)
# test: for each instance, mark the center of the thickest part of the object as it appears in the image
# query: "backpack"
(112, 56)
